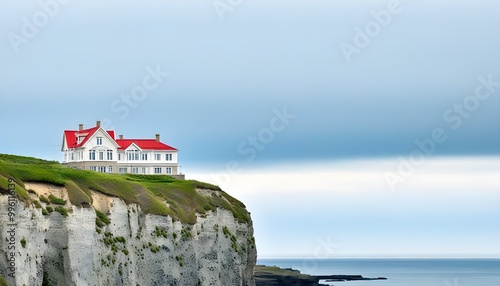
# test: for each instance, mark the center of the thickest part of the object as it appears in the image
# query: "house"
(99, 150)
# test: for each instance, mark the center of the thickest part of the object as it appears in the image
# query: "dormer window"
(99, 140)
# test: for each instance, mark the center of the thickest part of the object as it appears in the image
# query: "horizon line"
(493, 256)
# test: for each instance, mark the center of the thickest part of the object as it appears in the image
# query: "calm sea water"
(401, 272)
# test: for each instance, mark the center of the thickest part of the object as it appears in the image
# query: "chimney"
(80, 127)
(157, 137)
(120, 137)
(98, 124)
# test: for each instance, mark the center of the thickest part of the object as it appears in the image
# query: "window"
(72, 156)
(110, 155)
(144, 156)
(99, 140)
(93, 168)
(169, 170)
(119, 157)
(92, 155)
(101, 169)
(101, 155)
(133, 155)
(110, 169)
(157, 170)
(168, 157)
(157, 157)
(122, 170)
(144, 171)
(135, 170)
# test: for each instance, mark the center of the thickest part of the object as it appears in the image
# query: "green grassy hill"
(3, 282)
(150, 192)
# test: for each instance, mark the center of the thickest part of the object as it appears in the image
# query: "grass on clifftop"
(156, 194)
(274, 270)
(2, 281)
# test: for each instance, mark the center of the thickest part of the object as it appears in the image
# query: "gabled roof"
(70, 138)
(144, 144)
(71, 135)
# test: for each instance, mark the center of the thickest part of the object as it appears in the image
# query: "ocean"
(400, 272)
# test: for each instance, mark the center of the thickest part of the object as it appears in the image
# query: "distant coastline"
(275, 276)
(398, 271)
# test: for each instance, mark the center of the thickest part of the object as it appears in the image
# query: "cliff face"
(134, 248)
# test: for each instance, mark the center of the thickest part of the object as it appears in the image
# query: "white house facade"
(98, 150)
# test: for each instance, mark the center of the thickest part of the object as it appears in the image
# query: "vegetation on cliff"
(274, 276)
(2, 281)
(156, 194)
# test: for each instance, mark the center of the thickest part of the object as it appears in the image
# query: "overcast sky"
(278, 87)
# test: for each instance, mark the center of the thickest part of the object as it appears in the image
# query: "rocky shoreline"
(274, 276)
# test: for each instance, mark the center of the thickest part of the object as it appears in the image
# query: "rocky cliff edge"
(67, 227)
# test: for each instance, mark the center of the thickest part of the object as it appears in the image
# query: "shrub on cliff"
(2, 281)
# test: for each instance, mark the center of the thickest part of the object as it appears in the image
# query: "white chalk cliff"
(134, 249)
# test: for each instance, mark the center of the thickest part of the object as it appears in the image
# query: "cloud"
(440, 210)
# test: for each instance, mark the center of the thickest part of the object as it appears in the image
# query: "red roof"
(71, 136)
(145, 144)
